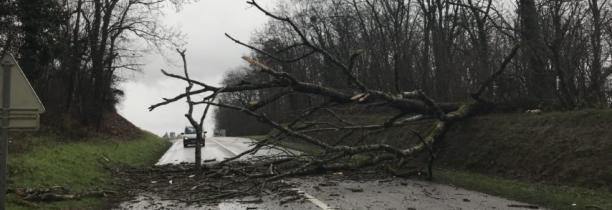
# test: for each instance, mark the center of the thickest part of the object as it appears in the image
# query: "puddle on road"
(151, 202)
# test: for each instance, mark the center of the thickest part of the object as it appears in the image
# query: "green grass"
(78, 165)
(554, 197)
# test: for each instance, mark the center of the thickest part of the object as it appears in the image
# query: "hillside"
(559, 160)
(560, 147)
(568, 148)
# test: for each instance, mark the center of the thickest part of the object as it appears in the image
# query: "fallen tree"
(334, 157)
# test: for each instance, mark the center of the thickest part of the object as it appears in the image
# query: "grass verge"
(549, 196)
(554, 197)
(78, 166)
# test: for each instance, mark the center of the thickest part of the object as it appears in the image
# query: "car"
(189, 137)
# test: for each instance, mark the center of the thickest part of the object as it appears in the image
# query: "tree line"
(446, 48)
(73, 51)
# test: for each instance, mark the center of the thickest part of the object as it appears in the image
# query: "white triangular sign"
(25, 106)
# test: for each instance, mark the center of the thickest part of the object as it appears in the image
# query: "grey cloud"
(209, 55)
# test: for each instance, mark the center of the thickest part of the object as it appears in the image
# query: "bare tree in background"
(336, 156)
(553, 69)
(72, 51)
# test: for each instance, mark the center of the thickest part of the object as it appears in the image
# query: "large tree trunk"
(74, 62)
(596, 91)
(540, 82)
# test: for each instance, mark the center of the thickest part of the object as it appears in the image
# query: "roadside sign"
(20, 110)
(25, 107)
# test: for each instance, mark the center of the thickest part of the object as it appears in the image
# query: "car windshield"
(190, 130)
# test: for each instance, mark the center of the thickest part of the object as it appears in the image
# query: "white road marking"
(315, 201)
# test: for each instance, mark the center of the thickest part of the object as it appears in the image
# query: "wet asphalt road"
(396, 194)
(217, 148)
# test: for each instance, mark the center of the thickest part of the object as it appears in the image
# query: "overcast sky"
(209, 55)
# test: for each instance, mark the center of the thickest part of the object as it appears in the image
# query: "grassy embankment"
(77, 165)
(550, 196)
(555, 159)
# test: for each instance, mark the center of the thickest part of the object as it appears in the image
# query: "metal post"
(6, 103)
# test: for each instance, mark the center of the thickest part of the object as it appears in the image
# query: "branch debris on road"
(246, 181)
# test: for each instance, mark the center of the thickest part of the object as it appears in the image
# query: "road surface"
(217, 148)
(327, 192)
